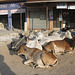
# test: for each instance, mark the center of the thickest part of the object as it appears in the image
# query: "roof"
(11, 1)
(34, 1)
(38, 1)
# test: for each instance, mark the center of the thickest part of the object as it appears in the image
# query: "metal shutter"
(38, 19)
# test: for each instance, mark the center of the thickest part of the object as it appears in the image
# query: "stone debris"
(9, 37)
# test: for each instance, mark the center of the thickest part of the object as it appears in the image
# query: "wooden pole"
(47, 17)
(21, 17)
(62, 20)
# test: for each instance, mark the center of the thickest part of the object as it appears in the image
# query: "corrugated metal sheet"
(38, 1)
(38, 19)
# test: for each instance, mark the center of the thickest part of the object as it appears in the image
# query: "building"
(11, 14)
(50, 14)
(37, 14)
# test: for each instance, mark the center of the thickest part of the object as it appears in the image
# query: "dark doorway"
(56, 22)
(16, 20)
(72, 18)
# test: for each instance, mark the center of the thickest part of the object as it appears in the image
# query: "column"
(51, 18)
(9, 20)
(25, 25)
(47, 17)
(28, 20)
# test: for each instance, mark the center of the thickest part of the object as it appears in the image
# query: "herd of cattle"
(41, 48)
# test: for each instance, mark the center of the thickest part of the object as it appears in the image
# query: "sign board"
(51, 15)
(61, 6)
(60, 17)
(71, 7)
(9, 6)
(14, 7)
(17, 11)
(5, 12)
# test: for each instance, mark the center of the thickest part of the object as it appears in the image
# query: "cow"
(55, 36)
(71, 42)
(42, 59)
(57, 47)
(34, 44)
(15, 44)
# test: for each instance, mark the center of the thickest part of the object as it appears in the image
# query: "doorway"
(16, 20)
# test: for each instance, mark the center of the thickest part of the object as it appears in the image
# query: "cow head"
(68, 34)
(22, 50)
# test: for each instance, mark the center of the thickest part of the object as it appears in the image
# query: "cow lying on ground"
(34, 44)
(55, 36)
(58, 46)
(71, 42)
(41, 40)
(18, 42)
(42, 59)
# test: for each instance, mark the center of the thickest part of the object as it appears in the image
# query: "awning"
(40, 1)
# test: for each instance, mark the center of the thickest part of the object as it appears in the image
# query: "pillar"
(9, 20)
(51, 18)
(28, 20)
(25, 25)
(47, 17)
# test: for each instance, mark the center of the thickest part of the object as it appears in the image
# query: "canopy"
(11, 1)
(38, 1)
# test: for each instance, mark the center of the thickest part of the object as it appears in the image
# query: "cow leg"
(43, 66)
(39, 64)
(28, 62)
(58, 53)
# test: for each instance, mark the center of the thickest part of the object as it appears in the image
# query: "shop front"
(42, 16)
(10, 16)
(64, 15)
(50, 15)
(37, 17)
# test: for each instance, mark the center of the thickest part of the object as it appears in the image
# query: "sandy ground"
(12, 64)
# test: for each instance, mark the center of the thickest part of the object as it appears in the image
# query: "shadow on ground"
(14, 52)
(4, 68)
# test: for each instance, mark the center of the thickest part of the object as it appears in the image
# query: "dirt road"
(12, 64)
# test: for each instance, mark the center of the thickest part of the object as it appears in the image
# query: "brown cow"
(58, 46)
(71, 42)
(40, 58)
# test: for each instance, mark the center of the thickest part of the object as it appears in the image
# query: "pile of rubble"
(1, 26)
(8, 37)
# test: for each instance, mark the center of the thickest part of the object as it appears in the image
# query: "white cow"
(34, 44)
(55, 37)
(40, 35)
(31, 36)
(43, 40)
